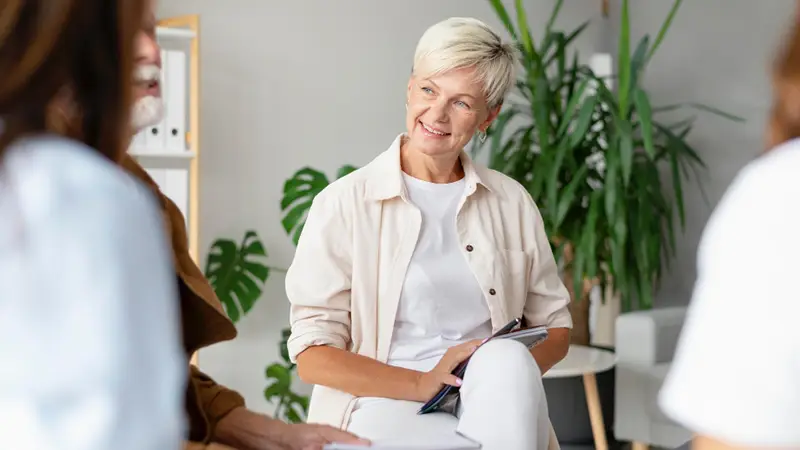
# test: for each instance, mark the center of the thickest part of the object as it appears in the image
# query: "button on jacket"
(345, 280)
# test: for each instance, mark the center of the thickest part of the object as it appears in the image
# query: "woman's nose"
(438, 111)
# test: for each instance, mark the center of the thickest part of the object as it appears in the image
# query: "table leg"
(595, 412)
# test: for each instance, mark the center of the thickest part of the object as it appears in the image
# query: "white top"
(736, 372)
(441, 304)
(90, 357)
(581, 360)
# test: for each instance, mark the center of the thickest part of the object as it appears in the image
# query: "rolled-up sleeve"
(548, 298)
(318, 280)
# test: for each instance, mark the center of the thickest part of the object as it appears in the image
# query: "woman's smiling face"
(445, 111)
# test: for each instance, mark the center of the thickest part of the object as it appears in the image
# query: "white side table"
(586, 362)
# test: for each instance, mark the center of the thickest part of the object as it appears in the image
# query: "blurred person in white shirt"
(90, 355)
(735, 379)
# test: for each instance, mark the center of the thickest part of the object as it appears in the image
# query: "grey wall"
(290, 83)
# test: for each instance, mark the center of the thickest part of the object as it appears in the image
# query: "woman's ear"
(492, 115)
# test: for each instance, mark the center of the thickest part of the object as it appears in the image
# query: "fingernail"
(484, 341)
(459, 381)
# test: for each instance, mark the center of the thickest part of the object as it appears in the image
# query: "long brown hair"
(73, 58)
(784, 120)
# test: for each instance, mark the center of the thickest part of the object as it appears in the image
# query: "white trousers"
(502, 407)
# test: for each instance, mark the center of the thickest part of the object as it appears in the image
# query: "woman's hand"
(429, 383)
(305, 436)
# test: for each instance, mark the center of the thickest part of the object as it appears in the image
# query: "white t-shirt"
(90, 354)
(441, 303)
(736, 372)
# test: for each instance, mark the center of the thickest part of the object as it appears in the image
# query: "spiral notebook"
(447, 398)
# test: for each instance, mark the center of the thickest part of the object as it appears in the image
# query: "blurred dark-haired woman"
(90, 356)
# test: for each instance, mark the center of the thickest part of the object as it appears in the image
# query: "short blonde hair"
(461, 42)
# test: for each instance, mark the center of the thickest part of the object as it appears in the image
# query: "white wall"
(285, 84)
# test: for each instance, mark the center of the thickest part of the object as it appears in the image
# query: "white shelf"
(162, 153)
(174, 33)
(165, 159)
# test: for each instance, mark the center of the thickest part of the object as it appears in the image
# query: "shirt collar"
(386, 176)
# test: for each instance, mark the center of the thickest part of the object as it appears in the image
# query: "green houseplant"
(237, 272)
(591, 158)
(298, 193)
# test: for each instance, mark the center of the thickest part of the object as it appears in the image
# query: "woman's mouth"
(433, 132)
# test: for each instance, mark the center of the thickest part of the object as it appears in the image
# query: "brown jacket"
(203, 321)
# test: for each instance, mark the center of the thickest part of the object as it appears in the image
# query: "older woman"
(407, 264)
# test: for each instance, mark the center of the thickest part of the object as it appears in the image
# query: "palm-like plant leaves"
(237, 273)
(589, 157)
(298, 194)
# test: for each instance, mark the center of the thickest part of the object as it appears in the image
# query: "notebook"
(444, 442)
(447, 398)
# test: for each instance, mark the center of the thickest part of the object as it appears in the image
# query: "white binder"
(139, 141)
(175, 137)
(158, 175)
(176, 187)
(155, 141)
(174, 183)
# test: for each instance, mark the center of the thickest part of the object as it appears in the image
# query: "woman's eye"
(461, 104)
(427, 90)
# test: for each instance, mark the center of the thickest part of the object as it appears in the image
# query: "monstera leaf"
(298, 194)
(291, 407)
(237, 273)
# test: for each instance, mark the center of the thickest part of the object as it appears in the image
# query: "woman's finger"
(335, 435)
(467, 352)
(452, 380)
(472, 343)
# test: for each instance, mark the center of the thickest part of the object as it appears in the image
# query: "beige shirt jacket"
(345, 280)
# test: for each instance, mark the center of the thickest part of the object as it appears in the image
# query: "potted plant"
(591, 158)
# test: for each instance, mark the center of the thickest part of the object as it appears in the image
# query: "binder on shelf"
(158, 175)
(139, 141)
(175, 100)
(155, 140)
(176, 187)
(174, 183)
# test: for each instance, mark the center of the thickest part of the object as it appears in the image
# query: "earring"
(482, 136)
(406, 106)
